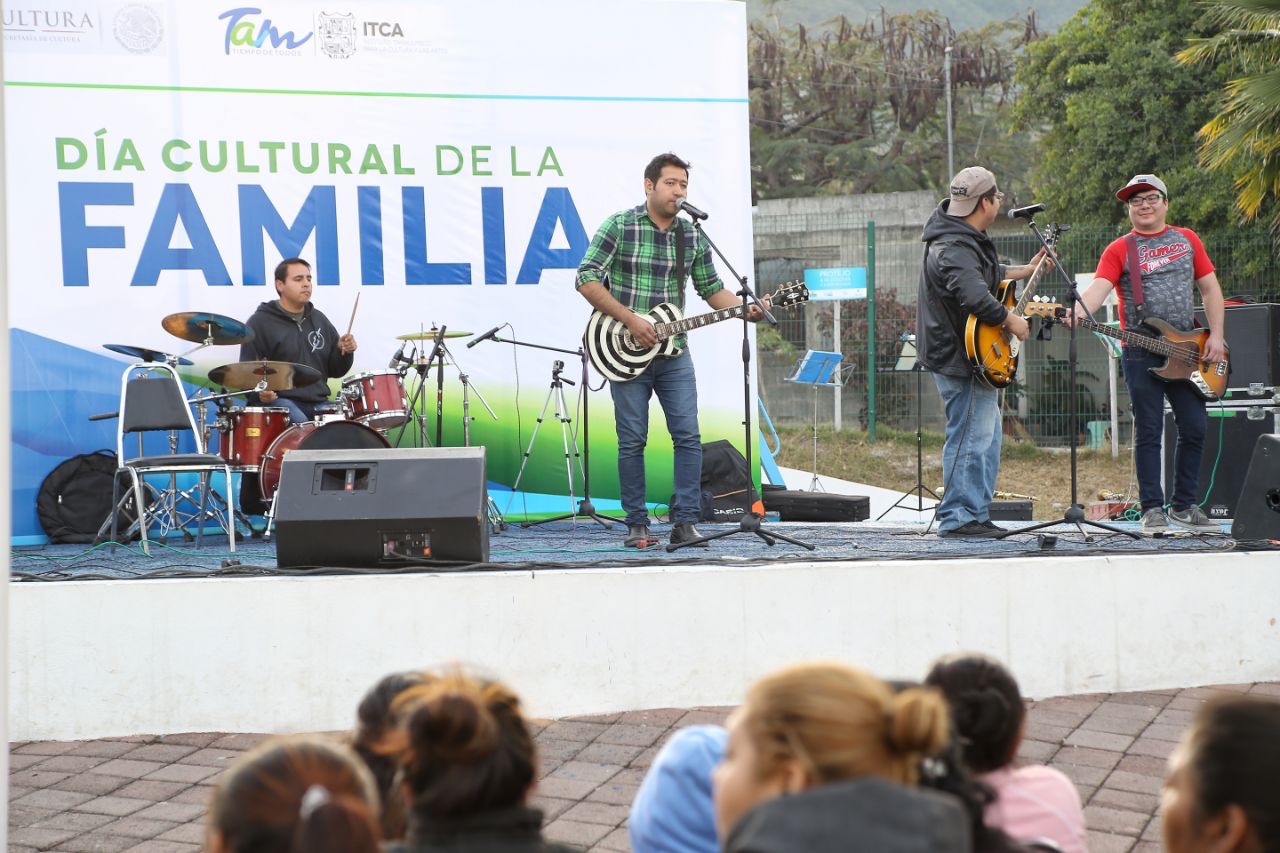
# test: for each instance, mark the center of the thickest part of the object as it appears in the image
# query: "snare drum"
(336, 435)
(376, 399)
(245, 434)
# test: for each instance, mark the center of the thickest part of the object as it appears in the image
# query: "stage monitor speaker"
(1228, 441)
(1253, 334)
(382, 507)
(1258, 508)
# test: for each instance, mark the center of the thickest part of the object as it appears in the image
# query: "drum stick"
(353, 312)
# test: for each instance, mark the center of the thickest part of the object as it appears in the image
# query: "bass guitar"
(615, 354)
(993, 351)
(1183, 351)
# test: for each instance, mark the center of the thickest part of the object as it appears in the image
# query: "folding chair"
(152, 399)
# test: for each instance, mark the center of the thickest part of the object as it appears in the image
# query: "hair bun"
(453, 727)
(917, 722)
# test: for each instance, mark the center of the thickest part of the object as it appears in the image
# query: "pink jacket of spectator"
(1037, 802)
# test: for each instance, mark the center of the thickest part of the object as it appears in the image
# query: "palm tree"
(1245, 136)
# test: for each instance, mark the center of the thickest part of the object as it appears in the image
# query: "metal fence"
(1036, 404)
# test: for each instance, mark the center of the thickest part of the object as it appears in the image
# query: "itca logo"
(255, 34)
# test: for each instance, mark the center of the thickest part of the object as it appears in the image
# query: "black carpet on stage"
(588, 545)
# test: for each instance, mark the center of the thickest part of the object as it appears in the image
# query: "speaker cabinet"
(1258, 508)
(382, 507)
(1253, 334)
(1228, 441)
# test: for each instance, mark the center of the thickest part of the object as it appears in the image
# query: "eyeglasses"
(1140, 200)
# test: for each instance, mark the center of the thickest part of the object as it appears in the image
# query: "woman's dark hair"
(654, 170)
(374, 723)
(465, 746)
(947, 772)
(986, 707)
(1234, 758)
(301, 794)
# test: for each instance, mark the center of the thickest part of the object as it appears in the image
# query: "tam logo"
(256, 34)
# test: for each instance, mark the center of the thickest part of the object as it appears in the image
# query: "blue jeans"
(970, 450)
(1147, 394)
(672, 379)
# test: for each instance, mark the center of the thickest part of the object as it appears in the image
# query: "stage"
(203, 640)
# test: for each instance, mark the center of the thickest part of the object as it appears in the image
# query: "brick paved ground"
(150, 793)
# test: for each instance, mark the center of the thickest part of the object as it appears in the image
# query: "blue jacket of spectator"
(673, 810)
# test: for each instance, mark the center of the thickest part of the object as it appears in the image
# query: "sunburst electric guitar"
(1183, 351)
(616, 356)
(993, 351)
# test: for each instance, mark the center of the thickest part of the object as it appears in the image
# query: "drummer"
(292, 329)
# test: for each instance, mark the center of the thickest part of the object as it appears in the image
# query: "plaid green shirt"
(636, 260)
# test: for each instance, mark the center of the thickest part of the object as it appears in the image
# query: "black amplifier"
(1253, 335)
(1228, 445)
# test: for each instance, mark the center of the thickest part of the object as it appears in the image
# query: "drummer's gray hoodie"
(312, 341)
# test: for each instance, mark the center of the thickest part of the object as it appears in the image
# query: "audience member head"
(986, 707)
(301, 794)
(815, 723)
(1222, 792)
(465, 747)
(673, 811)
(374, 725)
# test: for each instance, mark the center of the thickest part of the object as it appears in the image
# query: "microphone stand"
(586, 509)
(749, 521)
(1074, 513)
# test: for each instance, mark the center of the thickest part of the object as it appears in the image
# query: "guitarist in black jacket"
(960, 275)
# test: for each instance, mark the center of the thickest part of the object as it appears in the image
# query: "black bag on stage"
(75, 498)
(725, 495)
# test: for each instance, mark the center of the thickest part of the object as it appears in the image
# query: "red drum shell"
(376, 399)
(245, 434)
(335, 435)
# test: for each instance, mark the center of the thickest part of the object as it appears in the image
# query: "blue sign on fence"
(836, 283)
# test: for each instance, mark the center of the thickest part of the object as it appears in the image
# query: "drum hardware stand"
(748, 522)
(919, 489)
(585, 508)
(421, 366)
(223, 505)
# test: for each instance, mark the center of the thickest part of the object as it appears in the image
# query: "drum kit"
(253, 440)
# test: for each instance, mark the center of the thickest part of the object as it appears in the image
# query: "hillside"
(964, 14)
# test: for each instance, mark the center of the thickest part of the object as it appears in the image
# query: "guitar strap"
(680, 255)
(1135, 275)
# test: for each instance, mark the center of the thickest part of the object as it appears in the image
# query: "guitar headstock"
(793, 292)
(1043, 306)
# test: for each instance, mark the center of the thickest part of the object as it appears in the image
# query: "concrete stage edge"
(93, 659)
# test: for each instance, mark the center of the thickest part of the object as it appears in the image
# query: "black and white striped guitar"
(616, 355)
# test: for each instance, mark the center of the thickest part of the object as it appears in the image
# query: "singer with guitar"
(638, 259)
(961, 275)
(1152, 270)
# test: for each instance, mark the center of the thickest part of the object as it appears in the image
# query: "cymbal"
(144, 354)
(430, 335)
(280, 375)
(195, 326)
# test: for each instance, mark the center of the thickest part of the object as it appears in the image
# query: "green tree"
(852, 109)
(1243, 139)
(1113, 101)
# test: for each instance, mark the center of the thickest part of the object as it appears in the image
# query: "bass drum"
(335, 435)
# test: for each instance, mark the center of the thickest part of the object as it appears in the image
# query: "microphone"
(690, 209)
(484, 337)
(398, 357)
(1025, 212)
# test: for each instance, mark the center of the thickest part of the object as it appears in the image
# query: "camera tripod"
(567, 436)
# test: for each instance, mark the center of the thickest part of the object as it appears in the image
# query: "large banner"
(447, 162)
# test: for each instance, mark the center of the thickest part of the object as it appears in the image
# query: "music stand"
(907, 361)
(817, 367)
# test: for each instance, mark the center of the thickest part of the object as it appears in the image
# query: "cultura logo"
(246, 32)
